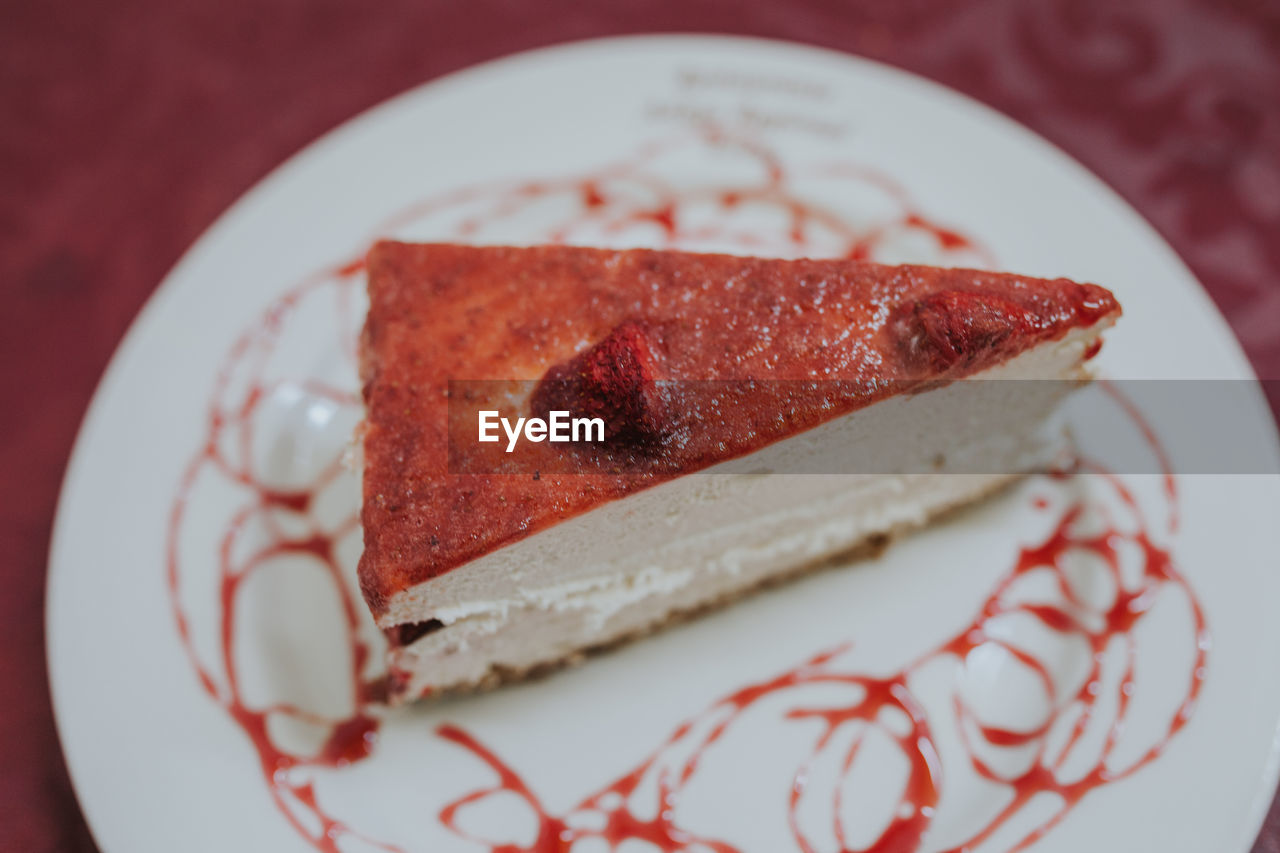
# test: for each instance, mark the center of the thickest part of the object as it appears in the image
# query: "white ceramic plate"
(234, 392)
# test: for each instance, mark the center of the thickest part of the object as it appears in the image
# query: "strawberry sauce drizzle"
(608, 203)
(918, 800)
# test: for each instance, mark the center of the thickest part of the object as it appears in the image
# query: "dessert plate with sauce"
(1084, 662)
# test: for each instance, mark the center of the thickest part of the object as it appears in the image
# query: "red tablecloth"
(127, 127)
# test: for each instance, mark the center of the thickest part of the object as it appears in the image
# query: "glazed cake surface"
(698, 361)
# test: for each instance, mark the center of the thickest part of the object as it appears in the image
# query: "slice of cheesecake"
(759, 418)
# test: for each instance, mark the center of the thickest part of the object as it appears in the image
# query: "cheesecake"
(567, 447)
